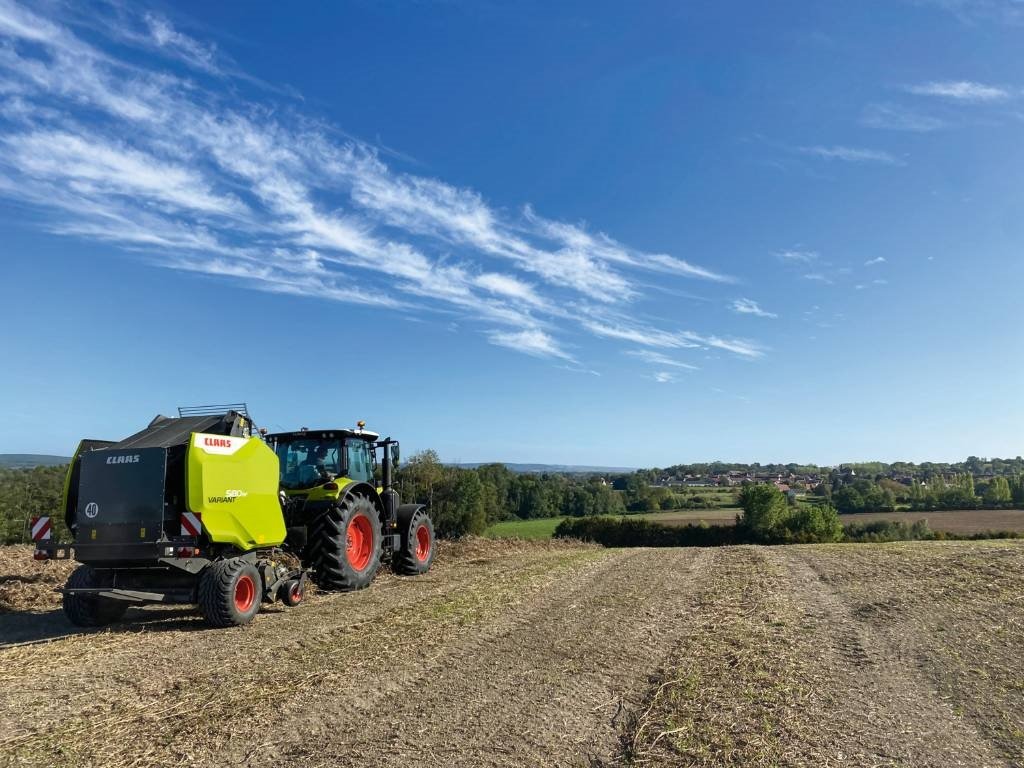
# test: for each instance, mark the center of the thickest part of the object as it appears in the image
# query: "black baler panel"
(121, 496)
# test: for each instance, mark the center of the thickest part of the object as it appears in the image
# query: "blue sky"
(600, 233)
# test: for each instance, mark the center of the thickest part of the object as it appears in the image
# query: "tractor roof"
(321, 434)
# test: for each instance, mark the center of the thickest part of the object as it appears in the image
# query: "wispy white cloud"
(961, 90)
(750, 307)
(664, 377)
(532, 342)
(852, 155)
(195, 179)
(880, 281)
(648, 336)
(92, 165)
(741, 347)
(874, 261)
(638, 334)
(818, 277)
(656, 358)
(894, 117)
(798, 256)
(175, 43)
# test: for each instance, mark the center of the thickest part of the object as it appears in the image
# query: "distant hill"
(29, 460)
(563, 469)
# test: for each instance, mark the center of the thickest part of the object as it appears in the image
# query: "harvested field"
(549, 653)
(964, 521)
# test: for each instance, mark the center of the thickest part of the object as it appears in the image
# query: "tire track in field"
(891, 713)
(542, 683)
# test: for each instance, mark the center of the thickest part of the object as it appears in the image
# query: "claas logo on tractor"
(217, 513)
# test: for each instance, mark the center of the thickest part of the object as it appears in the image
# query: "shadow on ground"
(23, 627)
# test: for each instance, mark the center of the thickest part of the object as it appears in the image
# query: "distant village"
(802, 482)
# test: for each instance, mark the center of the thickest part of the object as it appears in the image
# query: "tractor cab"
(309, 458)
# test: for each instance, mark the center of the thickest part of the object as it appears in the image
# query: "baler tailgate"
(120, 501)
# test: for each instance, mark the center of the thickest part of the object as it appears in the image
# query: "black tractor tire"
(292, 592)
(418, 544)
(85, 611)
(230, 592)
(345, 545)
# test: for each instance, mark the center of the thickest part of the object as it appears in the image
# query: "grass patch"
(538, 528)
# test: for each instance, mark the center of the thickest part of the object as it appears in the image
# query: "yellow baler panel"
(233, 484)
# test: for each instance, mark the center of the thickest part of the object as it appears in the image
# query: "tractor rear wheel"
(230, 592)
(345, 545)
(83, 611)
(417, 550)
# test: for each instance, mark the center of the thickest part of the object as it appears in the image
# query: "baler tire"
(230, 592)
(416, 553)
(292, 592)
(90, 611)
(345, 545)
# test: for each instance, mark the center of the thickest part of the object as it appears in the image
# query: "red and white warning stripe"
(41, 529)
(191, 524)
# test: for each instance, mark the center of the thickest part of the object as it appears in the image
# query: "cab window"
(359, 464)
(308, 462)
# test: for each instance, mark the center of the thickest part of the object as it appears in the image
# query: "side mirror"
(394, 454)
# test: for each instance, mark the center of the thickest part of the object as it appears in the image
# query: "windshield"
(309, 461)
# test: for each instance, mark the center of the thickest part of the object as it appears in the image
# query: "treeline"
(26, 493)
(768, 517)
(959, 491)
(924, 471)
(465, 501)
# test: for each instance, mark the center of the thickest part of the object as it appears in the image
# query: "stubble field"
(514, 654)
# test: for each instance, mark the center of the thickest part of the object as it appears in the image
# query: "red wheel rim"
(422, 543)
(359, 539)
(245, 593)
(296, 593)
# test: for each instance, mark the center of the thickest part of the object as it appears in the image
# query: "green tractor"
(203, 509)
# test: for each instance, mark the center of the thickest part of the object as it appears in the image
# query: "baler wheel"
(345, 545)
(85, 611)
(229, 592)
(417, 550)
(292, 592)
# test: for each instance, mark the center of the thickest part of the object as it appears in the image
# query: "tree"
(998, 492)
(848, 499)
(764, 510)
(458, 507)
(1017, 489)
(815, 523)
(419, 476)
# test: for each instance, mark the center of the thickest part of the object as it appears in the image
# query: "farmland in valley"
(961, 522)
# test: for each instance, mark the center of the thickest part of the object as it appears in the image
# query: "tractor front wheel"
(345, 545)
(230, 592)
(85, 611)
(417, 550)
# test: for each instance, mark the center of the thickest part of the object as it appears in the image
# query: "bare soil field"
(548, 654)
